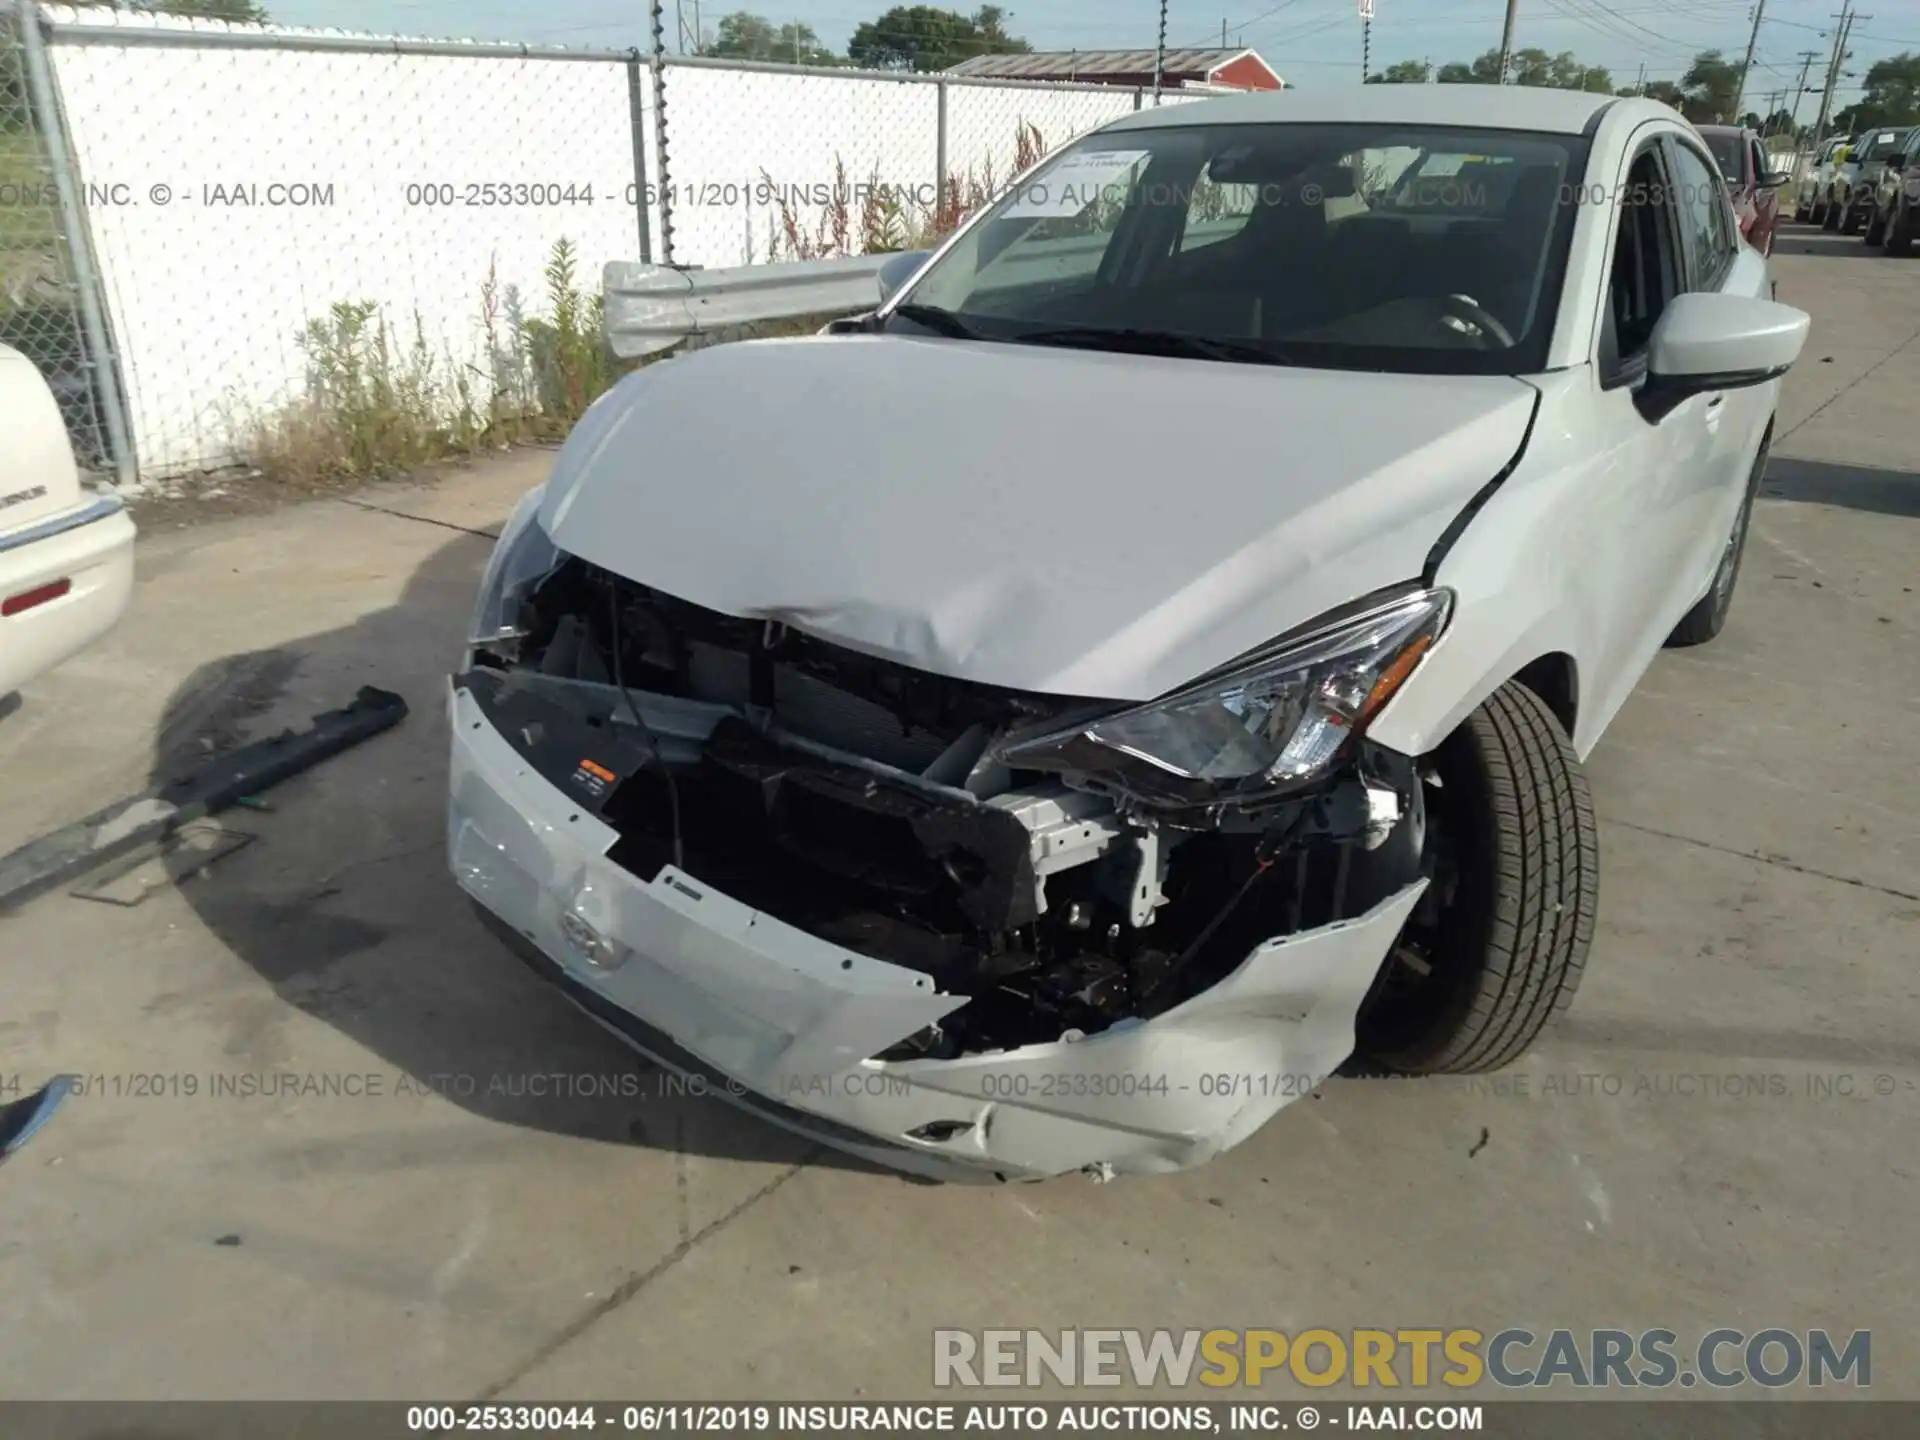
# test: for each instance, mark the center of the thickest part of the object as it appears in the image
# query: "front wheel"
(1829, 216)
(1876, 229)
(1899, 239)
(1499, 942)
(1850, 219)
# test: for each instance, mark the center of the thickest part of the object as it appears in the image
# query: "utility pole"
(1366, 40)
(689, 34)
(1753, 40)
(1846, 18)
(1160, 53)
(1640, 85)
(1223, 32)
(1807, 57)
(1506, 40)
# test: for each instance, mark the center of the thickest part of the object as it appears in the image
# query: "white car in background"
(66, 554)
(1810, 201)
(1055, 721)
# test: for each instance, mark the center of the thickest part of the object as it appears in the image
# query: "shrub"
(889, 219)
(379, 403)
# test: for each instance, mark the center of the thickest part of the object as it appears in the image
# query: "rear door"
(1710, 493)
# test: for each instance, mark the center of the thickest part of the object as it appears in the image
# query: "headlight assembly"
(1275, 722)
(522, 558)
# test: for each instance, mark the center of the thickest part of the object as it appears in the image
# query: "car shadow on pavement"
(1730, 1043)
(1854, 487)
(1812, 240)
(343, 903)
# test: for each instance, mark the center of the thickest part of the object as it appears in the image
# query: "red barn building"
(1181, 70)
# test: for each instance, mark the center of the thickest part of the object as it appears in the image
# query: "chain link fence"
(341, 254)
(44, 251)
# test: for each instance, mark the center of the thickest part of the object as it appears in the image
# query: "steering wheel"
(1468, 316)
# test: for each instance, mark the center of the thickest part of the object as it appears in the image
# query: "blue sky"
(1311, 42)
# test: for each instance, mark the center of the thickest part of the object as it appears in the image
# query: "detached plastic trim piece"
(21, 1120)
(50, 861)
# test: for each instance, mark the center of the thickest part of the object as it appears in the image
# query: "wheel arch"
(1555, 678)
(1539, 659)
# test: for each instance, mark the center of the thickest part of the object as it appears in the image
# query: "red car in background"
(1755, 188)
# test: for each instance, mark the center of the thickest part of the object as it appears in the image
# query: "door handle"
(1716, 402)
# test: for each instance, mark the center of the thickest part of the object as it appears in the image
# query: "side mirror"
(898, 270)
(1774, 179)
(1707, 342)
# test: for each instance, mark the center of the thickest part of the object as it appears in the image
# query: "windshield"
(1349, 246)
(1729, 153)
(1881, 146)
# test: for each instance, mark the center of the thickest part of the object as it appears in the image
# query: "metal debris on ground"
(186, 853)
(218, 783)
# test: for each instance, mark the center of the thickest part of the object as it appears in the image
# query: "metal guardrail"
(651, 308)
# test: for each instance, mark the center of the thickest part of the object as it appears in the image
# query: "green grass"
(24, 225)
(36, 312)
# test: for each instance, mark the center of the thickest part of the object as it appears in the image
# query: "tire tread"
(1546, 883)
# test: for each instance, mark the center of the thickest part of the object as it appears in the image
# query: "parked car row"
(1865, 185)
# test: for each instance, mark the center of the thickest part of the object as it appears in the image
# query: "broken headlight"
(521, 558)
(1269, 724)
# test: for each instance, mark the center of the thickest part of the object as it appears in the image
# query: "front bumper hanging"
(786, 1024)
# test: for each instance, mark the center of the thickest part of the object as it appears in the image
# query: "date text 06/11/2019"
(1135, 1417)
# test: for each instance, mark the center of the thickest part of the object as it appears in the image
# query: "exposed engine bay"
(873, 806)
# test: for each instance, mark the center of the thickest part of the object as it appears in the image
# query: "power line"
(1753, 40)
(1615, 29)
(1243, 24)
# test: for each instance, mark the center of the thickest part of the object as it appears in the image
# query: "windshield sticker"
(1076, 182)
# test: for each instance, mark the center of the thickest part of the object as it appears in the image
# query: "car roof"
(1485, 107)
(1723, 129)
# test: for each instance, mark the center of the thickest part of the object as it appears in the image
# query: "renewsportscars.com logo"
(1415, 1359)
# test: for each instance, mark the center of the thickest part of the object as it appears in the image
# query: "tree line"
(1705, 94)
(907, 37)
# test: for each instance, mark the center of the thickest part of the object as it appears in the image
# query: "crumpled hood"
(1063, 521)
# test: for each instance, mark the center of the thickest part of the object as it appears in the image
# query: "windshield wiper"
(934, 318)
(1153, 342)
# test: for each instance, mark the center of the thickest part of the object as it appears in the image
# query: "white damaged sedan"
(1052, 722)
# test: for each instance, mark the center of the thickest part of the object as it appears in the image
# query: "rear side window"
(1646, 270)
(1705, 221)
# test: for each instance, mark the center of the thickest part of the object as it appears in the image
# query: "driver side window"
(1645, 274)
